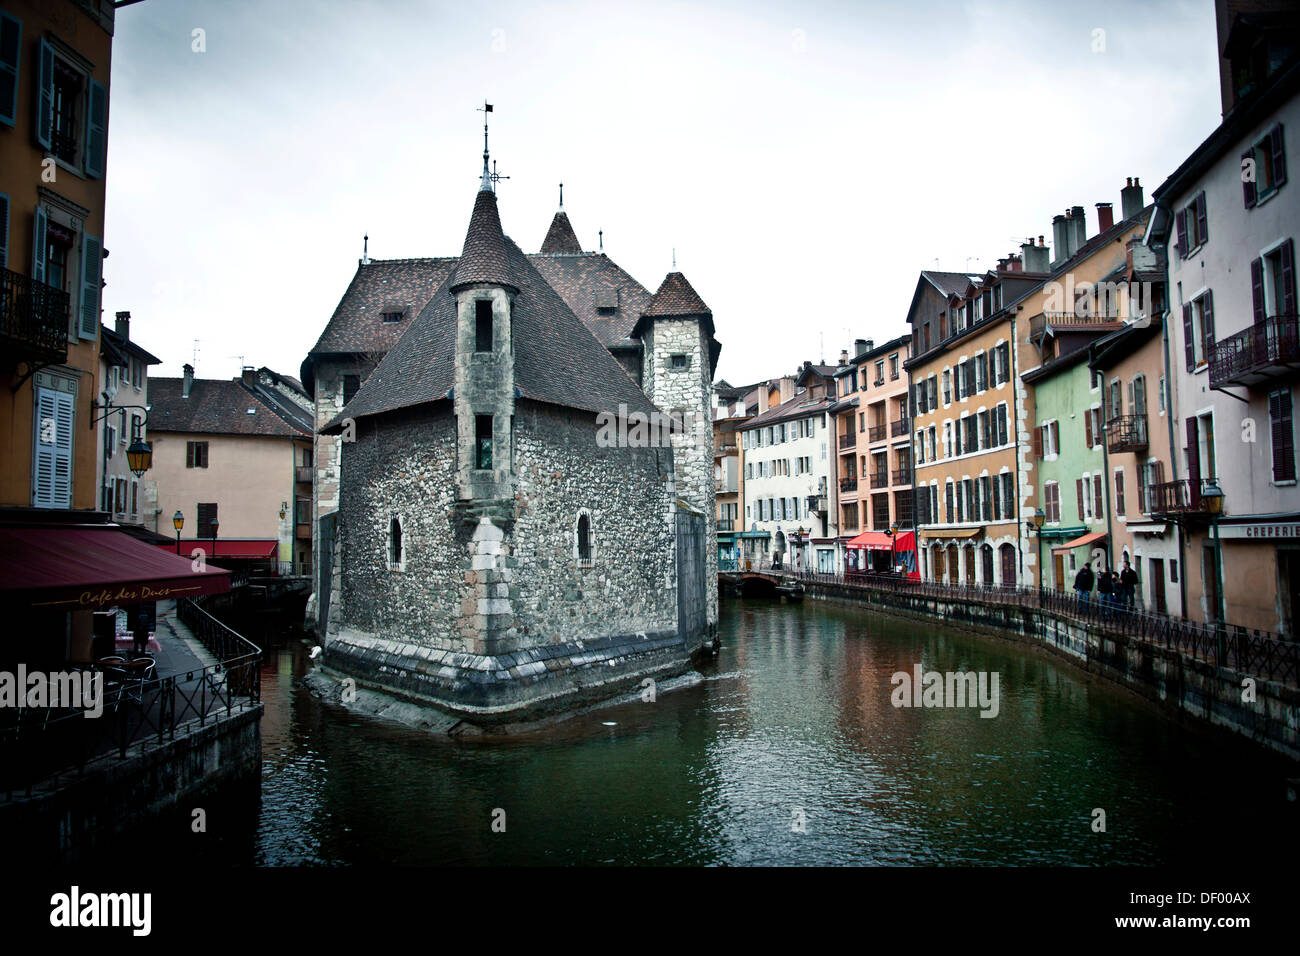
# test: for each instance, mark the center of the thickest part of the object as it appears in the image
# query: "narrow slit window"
(482, 326)
(584, 539)
(483, 442)
(394, 540)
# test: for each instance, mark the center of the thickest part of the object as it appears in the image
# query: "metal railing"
(42, 745)
(902, 476)
(1126, 433)
(1267, 350)
(876, 433)
(1180, 496)
(1249, 650)
(728, 564)
(898, 427)
(880, 479)
(848, 439)
(1038, 324)
(848, 484)
(33, 317)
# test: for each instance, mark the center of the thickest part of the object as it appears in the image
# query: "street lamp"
(893, 557)
(1212, 501)
(178, 522)
(213, 526)
(1034, 526)
(139, 456)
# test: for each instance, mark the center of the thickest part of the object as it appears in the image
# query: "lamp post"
(1212, 499)
(893, 558)
(178, 522)
(1034, 526)
(213, 527)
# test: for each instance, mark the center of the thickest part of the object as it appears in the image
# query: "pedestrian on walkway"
(1105, 589)
(140, 630)
(1128, 580)
(1083, 584)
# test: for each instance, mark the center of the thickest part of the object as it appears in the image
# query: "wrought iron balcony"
(1126, 433)
(1040, 323)
(848, 439)
(302, 474)
(898, 428)
(849, 484)
(876, 433)
(726, 524)
(33, 319)
(1265, 353)
(1180, 497)
(880, 479)
(902, 476)
(817, 503)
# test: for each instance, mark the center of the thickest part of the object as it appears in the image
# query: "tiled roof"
(676, 297)
(557, 358)
(589, 284)
(484, 257)
(949, 283)
(797, 407)
(219, 407)
(392, 285)
(560, 238)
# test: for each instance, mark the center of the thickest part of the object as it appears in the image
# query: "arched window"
(396, 555)
(584, 538)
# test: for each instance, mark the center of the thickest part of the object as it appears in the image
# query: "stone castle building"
(495, 535)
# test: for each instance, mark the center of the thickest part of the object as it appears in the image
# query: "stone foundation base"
(503, 693)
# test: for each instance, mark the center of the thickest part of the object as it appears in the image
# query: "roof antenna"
(365, 249)
(602, 240)
(561, 195)
(486, 183)
(674, 258)
(194, 359)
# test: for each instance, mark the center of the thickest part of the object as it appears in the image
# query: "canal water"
(788, 751)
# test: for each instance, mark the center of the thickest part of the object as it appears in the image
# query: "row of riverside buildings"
(1124, 395)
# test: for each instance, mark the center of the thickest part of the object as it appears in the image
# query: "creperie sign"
(1255, 531)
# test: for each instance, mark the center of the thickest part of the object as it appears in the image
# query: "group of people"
(1113, 587)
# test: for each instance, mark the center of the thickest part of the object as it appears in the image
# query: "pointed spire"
(561, 195)
(484, 258)
(486, 184)
(560, 239)
(676, 298)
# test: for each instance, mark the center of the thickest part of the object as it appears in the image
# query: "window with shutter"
(1008, 495)
(92, 260)
(1248, 193)
(1087, 429)
(1189, 338)
(1207, 324)
(1180, 225)
(1202, 220)
(4, 229)
(39, 228)
(1277, 157)
(96, 129)
(45, 95)
(1038, 442)
(1056, 437)
(1283, 433)
(1078, 489)
(11, 46)
(1097, 511)
(52, 460)
(1193, 451)
(1119, 492)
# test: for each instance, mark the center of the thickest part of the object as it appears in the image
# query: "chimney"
(1034, 256)
(1060, 238)
(844, 356)
(1105, 216)
(187, 382)
(1015, 263)
(249, 375)
(123, 325)
(1080, 228)
(787, 388)
(861, 347)
(1130, 199)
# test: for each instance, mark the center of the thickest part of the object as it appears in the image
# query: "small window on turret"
(396, 557)
(483, 442)
(482, 326)
(678, 361)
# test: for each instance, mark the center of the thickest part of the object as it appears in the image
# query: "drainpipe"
(1106, 476)
(1015, 423)
(1173, 459)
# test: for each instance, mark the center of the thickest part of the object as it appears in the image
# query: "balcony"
(875, 433)
(725, 486)
(878, 382)
(1126, 433)
(1265, 353)
(902, 476)
(1175, 498)
(848, 439)
(849, 484)
(726, 524)
(898, 428)
(817, 503)
(302, 474)
(1064, 321)
(724, 451)
(880, 479)
(33, 320)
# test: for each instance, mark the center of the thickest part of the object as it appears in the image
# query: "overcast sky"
(805, 160)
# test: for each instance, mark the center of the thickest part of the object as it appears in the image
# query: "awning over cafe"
(243, 550)
(94, 566)
(1078, 542)
(951, 533)
(871, 541)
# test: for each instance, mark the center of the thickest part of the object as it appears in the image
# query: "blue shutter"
(92, 259)
(52, 462)
(4, 229)
(45, 97)
(96, 130)
(11, 50)
(38, 245)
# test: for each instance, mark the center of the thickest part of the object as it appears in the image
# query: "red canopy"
(245, 549)
(872, 541)
(95, 566)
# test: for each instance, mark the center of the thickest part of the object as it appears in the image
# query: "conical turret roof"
(560, 238)
(484, 258)
(676, 297)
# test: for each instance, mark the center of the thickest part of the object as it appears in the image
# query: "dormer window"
(482, 326)
(390, 317)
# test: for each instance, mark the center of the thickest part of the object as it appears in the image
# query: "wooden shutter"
(1207, 323)
(52, 463)
(1194, 457)
(1202, 220)
(1038, 442)
(92, 261)
(1280, 415)
(1257, 290)
(1056, 437)
(1008, 491)
(1096, 496)
(4, 230)
(1189, 348)
(1180, 221)
(1279, 155)
(44, 125)
(1287, 255)
(1119, 493)
(1248, 193)
(11, 46)
(1078, 488)
(38, 244)
(96, 130)
(1087, 429)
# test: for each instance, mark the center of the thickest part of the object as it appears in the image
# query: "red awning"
(1079, 542)
(95, 566)
(244, 550)
(872, 541)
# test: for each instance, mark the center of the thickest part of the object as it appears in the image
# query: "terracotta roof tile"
(676, 297)
(484, 257)
(220, 407)
(560, 238)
